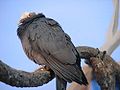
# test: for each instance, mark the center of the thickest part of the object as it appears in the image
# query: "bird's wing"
(48, 36)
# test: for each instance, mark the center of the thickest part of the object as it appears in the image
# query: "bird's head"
(29, 15)
(25, 19)
(25, 16)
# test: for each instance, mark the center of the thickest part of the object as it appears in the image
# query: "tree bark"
(20, 78)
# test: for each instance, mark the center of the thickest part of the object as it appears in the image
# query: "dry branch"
(20, 78)
(103, 67)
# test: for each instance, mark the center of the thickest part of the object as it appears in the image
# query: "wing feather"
(50, 38)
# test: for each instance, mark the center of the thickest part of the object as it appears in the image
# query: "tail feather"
(68, 72)
(84, 80)
(60, 83)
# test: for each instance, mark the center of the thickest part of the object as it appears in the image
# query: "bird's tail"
(68, 72)
(60, 83)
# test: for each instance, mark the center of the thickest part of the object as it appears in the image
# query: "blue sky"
(86, 21)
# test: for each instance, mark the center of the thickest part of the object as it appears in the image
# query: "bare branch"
(42, 76)
(113, 34)
(20, 78)
(86, 53)
(104, 73)
(104, 67)
(115, 19)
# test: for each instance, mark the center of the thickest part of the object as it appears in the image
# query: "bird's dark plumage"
(45, 43)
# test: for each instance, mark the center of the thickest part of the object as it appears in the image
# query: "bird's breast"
(31, 52)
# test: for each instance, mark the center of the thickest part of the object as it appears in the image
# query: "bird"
(44, 42)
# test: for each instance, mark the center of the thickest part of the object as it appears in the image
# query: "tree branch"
(113, 34)
(104, 74)
(20, 78)
(100, 62)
